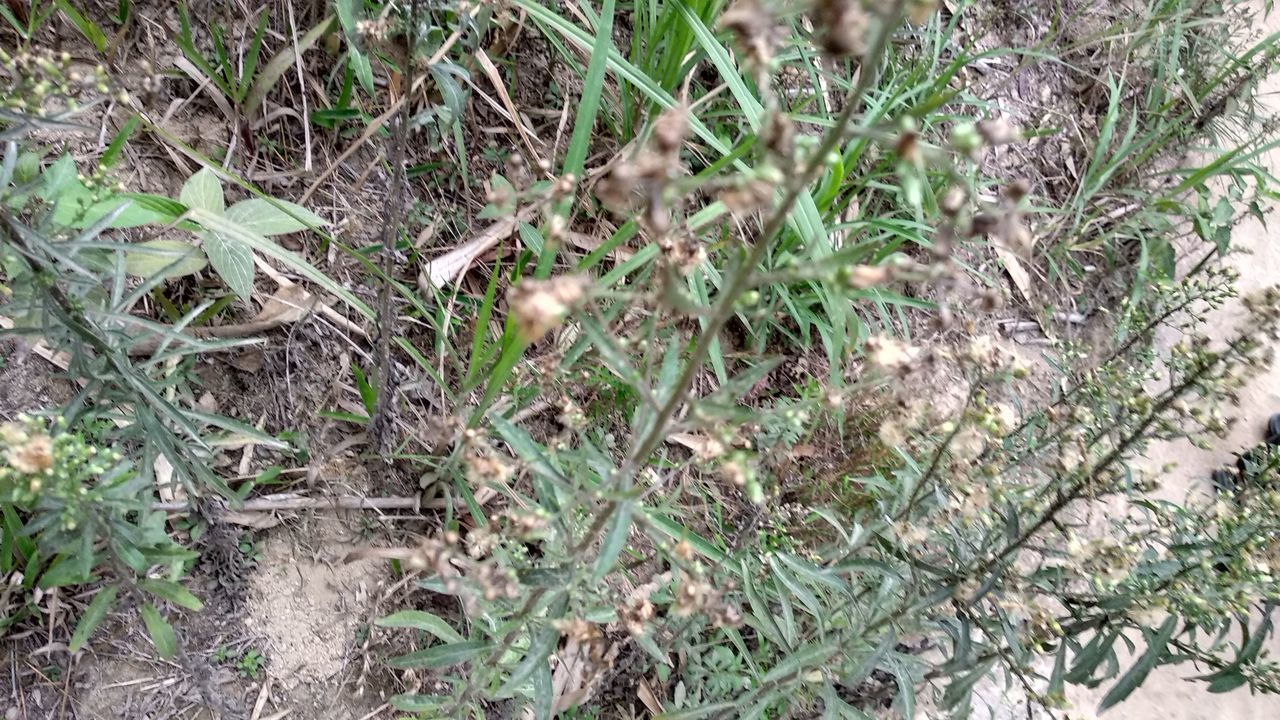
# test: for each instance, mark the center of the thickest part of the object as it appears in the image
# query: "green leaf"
(440, 655)
(585, 120)
(93, 616)
(203, 190)
(541, 647)
(359, 63)
(368, 395)
(614, 541)
(446, 75)
(696, 713)
(170, 258)
(1156, 642)
(74, 211)
(417, 703)
(1090, 657)
(804, 656)
(219, 224)
(421, 620)
(1227, 682)
(272, 217)
(117, 143)
(59, 178)
(64, 571)
(349, 11)
(280, 63)
(87, 27)
(173, 592)
(233, 261)
(161, 632)
(543, 693)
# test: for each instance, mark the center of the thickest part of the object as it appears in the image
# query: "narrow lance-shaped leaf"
(93, 616)
(162, 635)
(614, 541)
(421, 620)
(440, 655)
(1156, 644)
(173, 592)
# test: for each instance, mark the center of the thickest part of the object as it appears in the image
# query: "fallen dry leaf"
(649, 698)
(577, 673)
(1017, 273)
(249, 360)
(289, 304)
(448, 267)
(255, 520)
(591, 243)
(705, 448)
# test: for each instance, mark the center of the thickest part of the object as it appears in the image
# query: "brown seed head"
(1017, 189)
(844, 25)
(670, 130)
(35, 455)
(862, 277)
(952, 201)
(618, 190)
(998, 131)
(753, 28)
(539, 305)
(779, 135)
(985, 224)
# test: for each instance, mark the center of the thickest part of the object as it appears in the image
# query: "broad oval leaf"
(421, 620)
(74, 209)
(217, 223)
(169, 258)
(233, 261)
(93, 616)
(161, 632)
(272, 217)
(203, 190)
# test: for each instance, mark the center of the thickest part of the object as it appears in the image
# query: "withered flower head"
(539, 305)
(997, 131)
(861, 277)
(952, 201)
(635, 615)
(691, 596)
(779, 134)
(890, 355)
(1017, 189)
(682, 252)
(33, 455)
(843, 26)
(619, 189)
(753, 27)
(671, 129)
(747, 196)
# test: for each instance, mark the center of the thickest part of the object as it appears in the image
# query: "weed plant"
(711, 456)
